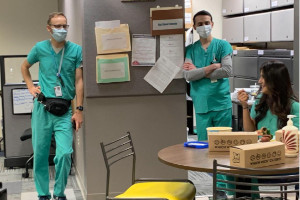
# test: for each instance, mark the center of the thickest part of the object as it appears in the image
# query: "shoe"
(221, 195)
(44, 198)
(59, 198)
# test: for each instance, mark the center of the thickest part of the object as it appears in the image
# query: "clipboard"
(167, 21)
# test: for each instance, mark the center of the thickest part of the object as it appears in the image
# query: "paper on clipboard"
(113, 40)
(112, 68)
(161, 74)
(167, 20)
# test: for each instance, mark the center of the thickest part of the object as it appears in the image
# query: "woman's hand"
(243, 97)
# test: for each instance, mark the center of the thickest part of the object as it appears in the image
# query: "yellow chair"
(122, 148)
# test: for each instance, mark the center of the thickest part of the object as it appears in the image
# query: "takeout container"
(218, 129)
(222, 141)
(257, 155)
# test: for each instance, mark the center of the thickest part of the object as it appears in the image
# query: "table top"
(202, 160)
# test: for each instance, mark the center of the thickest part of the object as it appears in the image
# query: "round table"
(202, 160)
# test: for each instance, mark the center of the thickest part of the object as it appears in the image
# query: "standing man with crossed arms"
(207, 66)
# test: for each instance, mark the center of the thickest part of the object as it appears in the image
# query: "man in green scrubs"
(207, 66)
(60, 76)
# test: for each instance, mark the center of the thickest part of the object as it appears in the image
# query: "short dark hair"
(54, 14)
(202, 12)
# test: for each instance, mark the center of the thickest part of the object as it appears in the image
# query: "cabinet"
(257, 27)
(282, 25)
(231, 7)
(279, 3)
(245, 67)
(256, 5)
(285, 56)
(233, 30)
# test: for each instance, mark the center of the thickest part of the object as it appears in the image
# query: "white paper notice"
(161, 75)
(188, 18)
(112, 70)
(114, 41)
(143, 50)
(108, 24)
(187, 4)
(171, 46)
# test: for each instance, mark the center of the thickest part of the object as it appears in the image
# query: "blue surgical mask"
(204, 31)
(59, 34)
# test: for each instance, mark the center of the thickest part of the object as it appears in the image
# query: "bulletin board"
(137, 16)
(22, 101)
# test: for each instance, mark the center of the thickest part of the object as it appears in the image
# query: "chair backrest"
(115, 151)
(246, 178)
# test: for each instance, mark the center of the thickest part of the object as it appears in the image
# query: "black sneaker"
(59, 198)
(44, 198)
(221, 195)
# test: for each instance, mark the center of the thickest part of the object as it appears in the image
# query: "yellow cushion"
(168, 190)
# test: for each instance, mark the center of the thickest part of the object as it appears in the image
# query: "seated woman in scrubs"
(276, 101)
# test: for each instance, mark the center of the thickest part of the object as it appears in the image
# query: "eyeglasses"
(65, 26)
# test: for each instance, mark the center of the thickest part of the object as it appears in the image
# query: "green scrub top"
(206, 94)
(49, 62)
(270, 120)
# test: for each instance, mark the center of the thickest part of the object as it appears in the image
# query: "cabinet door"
(282, 25)
(233, 29)
(230, 7)
(256, 5)
(279, 3)
(287, 61)
(245, 67)
(257, 28)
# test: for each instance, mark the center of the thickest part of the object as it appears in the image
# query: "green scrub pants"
(212, 119)
(44, 124)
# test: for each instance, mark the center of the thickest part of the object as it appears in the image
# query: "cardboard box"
(257, 155)
(222, 141)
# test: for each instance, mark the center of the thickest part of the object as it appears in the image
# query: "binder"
(167, 21)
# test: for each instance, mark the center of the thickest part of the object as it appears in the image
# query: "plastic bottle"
(290, 138)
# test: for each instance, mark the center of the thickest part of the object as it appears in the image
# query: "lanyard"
(60, 64)
(59, 67)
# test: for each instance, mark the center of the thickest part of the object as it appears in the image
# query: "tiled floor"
(20, 188)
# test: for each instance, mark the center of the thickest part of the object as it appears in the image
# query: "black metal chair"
(145, 188)
(27, 134)
(246, 178)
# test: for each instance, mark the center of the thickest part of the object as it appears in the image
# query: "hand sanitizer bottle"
(290, 138)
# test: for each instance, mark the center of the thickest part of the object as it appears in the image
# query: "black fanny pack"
(56, 106)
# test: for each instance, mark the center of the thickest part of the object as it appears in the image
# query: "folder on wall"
(167, 20)
(113, 40)
(112, 68)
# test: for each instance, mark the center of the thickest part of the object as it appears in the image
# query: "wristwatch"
(79, 108)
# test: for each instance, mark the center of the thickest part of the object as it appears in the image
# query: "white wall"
(23, 23)
(214, 7)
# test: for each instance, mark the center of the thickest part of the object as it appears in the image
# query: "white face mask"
(204, 31)
(59, 34)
